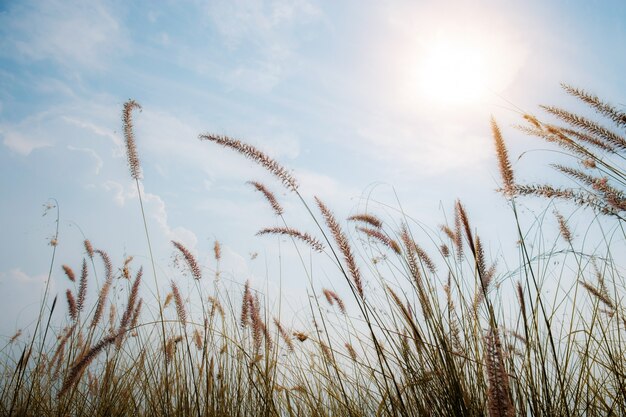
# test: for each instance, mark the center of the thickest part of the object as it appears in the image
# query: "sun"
(453, 72)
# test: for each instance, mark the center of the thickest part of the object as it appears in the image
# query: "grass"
(447, 332)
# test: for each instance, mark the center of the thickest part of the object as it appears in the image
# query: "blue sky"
(334, 90)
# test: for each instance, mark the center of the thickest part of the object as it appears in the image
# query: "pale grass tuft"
(498, 397)
(71, 305)
(344, 246)
(506, 172)
(83, 362)
(129, 137)
(69, 272)
(315, 244)
(196, 273)
(563, 228)
(284, 334)
(217, 250)
(269, 196)
(82, 287)
(178, 300)
(104, 292)
(301, 336)
(333, 298)
(382, 238)
(256, 155)
(88, 248)
(367, 218)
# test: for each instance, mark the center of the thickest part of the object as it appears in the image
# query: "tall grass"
(425, 328)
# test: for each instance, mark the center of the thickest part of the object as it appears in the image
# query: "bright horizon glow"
(454, 72)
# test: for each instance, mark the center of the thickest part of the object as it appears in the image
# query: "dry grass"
(412, 334)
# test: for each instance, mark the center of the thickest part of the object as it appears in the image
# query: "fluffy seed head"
(129, 137)
(189, 259)
(256, 155)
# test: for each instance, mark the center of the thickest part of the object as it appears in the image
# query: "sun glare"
(453, 72)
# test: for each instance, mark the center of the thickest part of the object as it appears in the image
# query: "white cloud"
(22, 144)
(16, 275)
(155, 209)
(70, 33)
(118, 151)
(99, 163)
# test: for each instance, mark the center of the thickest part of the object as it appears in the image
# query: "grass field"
(450, 332)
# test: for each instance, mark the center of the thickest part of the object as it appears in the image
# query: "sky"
(377, 105)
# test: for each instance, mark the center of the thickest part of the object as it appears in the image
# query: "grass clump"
(428, 328)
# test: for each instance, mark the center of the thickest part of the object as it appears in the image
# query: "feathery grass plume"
(406, 313)
(178, 300)
(485, 275)
(284, 334)
(216, 306)
(599, 294)
(617, 116)
(132, 299)
(15, 336)
(129, 137)
(506, 171)
(217, 250)
(190, 259)
(423, 256)
(168, 299)
(452, 323)
(556, 135)
(332, 297)
(104, 292)
(256, 155)
(351, 351)
(576, 174)
(301, 336)
(367, 218)
(520, 297)
(288, 231)
(136, 312)
(589, 126)
(382, 238)
(170, 347)
(589, 139)
(326, 351)
(60, 350)
(71, 305)
(563, 228)
(498, 399)
(88, 248)
(445, 251)
(462, 219)
(269, 196)
(567, 194)
(343, 244)
(245, 305)
(83, 362)
(82, 287)
(412, 260)
(126, 267)
(112, 316)
(610, 195)
(69, 272)
(197, 339)
(451, 235)
(458, 234)
(255, 318)
(532, 120)
(108, 266)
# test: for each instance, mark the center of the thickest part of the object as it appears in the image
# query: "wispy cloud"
(155, 209)
(70, 33)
